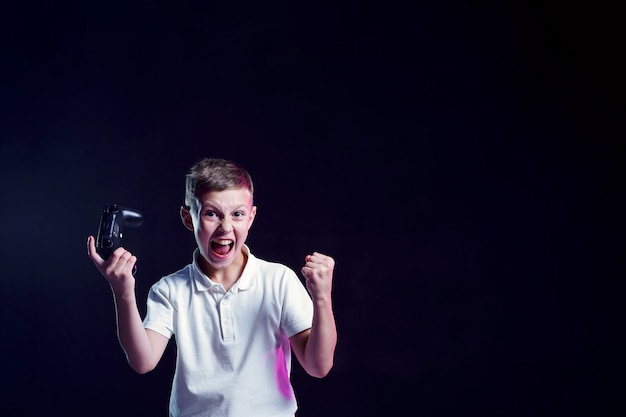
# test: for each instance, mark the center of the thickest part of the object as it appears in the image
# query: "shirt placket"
(224, 306)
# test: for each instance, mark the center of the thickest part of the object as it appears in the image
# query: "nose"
(226, 225)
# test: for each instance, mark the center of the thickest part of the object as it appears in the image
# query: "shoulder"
(178, 279)
(274, 276)
(266, 265)
(271, 269)
(170, 289)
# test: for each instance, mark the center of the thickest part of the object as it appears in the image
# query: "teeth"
(223, 242)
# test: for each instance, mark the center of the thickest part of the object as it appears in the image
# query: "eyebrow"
(212, 206)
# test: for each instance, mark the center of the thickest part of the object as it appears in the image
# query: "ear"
(185, 216)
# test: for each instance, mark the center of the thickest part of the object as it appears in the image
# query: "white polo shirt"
(233, 351)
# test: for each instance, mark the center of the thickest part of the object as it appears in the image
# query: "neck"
(225, 276)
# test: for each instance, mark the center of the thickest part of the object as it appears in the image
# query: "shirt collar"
(245, 281)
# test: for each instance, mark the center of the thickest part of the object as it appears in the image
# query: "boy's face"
(220, 223)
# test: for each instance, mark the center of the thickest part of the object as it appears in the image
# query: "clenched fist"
(318, 272)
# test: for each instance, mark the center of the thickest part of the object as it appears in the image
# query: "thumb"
(92, 253)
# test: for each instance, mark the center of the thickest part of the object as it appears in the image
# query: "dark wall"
(460, 161)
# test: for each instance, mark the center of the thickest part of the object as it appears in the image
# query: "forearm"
(132, 335)
(320, 348)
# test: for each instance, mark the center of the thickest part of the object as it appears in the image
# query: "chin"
(219, 261)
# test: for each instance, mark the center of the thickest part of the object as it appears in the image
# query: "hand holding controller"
(113, 221)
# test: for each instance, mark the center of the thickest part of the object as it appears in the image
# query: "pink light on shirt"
(282, 376)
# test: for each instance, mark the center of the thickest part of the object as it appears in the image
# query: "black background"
(460, 160)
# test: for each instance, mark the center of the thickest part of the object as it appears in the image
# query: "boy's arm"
(143, 348)
(315, 347)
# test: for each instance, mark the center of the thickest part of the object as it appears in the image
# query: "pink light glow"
(282, 375)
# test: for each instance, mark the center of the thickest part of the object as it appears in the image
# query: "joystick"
(113, 221)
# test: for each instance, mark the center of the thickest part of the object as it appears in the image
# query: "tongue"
(221, 249)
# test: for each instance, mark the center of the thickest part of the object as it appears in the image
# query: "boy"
(236, 317)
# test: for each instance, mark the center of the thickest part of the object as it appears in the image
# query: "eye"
(209, 213)
(239, 214)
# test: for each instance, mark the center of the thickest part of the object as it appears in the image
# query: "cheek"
(249, 223)
(242, 231)
(203, 229)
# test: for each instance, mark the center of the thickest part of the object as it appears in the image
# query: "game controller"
(113, 221)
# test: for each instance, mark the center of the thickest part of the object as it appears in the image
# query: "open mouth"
(222, 247)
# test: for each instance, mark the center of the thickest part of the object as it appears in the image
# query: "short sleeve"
(160, 311)
(297, 306)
